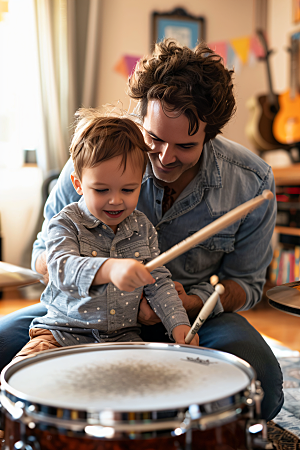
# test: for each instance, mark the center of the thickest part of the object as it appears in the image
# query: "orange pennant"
(121, 67)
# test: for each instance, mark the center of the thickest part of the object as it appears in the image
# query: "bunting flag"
(235, 53)
(256, 48)
(126, 65)
(239, 51)
(231, 57)
(3, 8)
(241, 46)
(221, 49)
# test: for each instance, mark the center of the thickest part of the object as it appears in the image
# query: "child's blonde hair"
(101, 136)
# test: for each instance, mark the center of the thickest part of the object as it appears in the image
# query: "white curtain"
(67, 41)
(68, 33)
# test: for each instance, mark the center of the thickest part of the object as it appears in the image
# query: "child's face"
(109, 193)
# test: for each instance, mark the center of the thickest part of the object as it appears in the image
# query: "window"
(20, 118)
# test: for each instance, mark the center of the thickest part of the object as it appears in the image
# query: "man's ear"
(76, 183)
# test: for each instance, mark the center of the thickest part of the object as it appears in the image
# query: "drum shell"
(230, 436)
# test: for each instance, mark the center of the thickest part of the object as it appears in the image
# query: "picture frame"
(187, 29)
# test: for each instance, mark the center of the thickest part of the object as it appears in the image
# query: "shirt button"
(113, 248)
(94, 253)
(104, 227)
(136, 254)
(157, 228)
(112, 312)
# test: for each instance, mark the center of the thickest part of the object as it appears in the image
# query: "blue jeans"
(228, 332)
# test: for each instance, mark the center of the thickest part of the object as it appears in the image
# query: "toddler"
(97, 247)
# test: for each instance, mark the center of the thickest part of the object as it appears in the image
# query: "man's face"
(173, 151)
(110, 192)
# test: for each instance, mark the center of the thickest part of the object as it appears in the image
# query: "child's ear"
(76, 183)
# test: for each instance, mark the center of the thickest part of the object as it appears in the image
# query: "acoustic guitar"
(263, 108)
(286, 126)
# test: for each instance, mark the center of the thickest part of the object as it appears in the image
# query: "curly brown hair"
(193, 82)
(100, 136)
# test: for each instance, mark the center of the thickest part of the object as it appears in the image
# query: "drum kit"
(131, 396)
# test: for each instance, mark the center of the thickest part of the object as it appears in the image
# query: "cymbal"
(14, 276)
(287, 295)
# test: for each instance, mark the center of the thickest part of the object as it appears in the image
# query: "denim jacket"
(78, 244)
(229, 175)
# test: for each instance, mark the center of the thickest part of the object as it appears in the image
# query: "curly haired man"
(194, 175)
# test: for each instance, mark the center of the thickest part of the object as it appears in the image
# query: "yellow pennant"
(3, 8)
(241, 47)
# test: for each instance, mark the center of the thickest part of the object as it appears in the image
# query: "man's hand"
(233, 298)
(126, 274)
(41, 266)
(146, 314)
(191, 303)
(180, 332)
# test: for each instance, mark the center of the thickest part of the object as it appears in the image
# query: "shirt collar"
(209, 167)
(90, 221)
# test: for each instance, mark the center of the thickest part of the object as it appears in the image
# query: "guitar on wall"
(286, 127)
(264, 109)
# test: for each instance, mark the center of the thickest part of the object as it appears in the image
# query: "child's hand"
(180, 332)
(128, 274)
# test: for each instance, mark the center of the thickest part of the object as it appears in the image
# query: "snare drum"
(146, 396)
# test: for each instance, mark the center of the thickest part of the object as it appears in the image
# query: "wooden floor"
(277, 325)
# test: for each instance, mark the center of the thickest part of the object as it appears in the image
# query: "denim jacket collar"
(209, 167)
(89, 221)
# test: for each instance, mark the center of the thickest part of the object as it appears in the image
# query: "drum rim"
(49, 414)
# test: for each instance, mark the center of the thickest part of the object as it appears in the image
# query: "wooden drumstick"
(205, 312)
(208, 231)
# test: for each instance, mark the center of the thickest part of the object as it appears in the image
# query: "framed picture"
(296, 11)
(188, 30)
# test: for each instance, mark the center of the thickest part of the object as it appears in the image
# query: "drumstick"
(205, 312)
(208, 231)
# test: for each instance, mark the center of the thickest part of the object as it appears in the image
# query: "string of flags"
(236, 53)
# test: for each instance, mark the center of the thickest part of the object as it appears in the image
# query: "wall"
(126, 29)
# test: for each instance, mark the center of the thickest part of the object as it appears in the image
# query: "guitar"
(263, 109)
(286, 126)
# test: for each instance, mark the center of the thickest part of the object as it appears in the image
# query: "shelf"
(288, 230)
(289, 175)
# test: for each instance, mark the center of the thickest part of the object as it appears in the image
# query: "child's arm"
(126, 274)
(74, 273)
(68, 270)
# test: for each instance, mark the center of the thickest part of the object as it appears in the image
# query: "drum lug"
(20, 445)
(258, 397)
(31, 444)
(257, 435)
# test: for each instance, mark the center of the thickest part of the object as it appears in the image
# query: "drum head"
(139, 377)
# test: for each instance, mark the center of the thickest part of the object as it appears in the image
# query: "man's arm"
(233, 299)
(61, 195)
(41, 266)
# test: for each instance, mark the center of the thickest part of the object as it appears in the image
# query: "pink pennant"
(130, 62)
(256, 47)
(220, 48)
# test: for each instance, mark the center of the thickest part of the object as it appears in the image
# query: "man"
(185, 98)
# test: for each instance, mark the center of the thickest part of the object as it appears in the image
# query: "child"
(97, 247)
